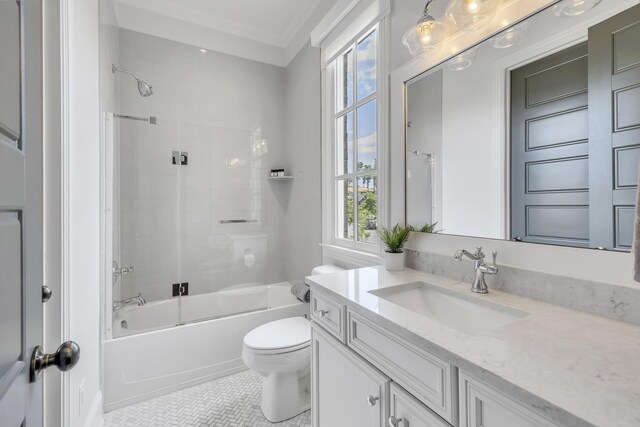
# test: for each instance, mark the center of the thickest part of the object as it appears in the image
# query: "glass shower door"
(146, 225)
(223, 243)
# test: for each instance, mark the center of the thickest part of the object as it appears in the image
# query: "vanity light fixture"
(471, 15)
(463, 61)
(427, 35)
(571, 8)
(511, 36)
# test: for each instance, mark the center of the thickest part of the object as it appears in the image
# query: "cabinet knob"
(371, 400)
(394, 422)
(322, 313)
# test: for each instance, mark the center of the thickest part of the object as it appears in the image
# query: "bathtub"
(152, 356)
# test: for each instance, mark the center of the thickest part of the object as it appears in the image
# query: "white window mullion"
(365, 142)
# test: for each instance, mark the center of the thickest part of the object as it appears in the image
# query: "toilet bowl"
(280, 352)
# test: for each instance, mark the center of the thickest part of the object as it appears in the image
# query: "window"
(355, 120)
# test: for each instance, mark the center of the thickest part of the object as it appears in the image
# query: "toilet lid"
(280, 334)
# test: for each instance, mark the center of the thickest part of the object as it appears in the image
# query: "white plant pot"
(394, 262)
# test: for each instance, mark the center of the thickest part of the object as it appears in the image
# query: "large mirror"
(534, 134)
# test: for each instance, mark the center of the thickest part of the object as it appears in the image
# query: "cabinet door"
(346, 390)
(480, 406)
(406, 411)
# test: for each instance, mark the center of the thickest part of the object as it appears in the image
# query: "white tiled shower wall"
(217, 108)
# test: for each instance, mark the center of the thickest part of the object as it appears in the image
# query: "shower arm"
(115, 69)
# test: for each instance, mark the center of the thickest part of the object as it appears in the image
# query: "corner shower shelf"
(280, 178)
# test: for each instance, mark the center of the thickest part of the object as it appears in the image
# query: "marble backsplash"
(601, 299)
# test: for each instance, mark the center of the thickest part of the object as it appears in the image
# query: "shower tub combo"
(150, 358)
(164, 233)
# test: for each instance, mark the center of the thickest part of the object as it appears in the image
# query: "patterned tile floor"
(232, 401)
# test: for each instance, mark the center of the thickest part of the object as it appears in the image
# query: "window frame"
(360, 252)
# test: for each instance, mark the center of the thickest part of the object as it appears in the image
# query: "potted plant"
(394, 239)
(427, 228)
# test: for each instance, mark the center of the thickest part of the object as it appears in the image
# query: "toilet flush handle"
(322, 313)
(371, 400)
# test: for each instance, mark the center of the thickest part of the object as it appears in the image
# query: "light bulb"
(426, 36)
(471, 15)
(472, 6)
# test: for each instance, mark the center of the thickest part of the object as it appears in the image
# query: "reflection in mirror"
(10, 72)
(534, 134)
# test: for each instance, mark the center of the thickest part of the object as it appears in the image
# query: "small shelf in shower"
(280, 178)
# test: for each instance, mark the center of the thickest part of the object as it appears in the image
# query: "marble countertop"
(574, 368)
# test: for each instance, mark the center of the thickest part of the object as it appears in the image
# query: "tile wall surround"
(213, 106)
(303, 129)
(612, 301)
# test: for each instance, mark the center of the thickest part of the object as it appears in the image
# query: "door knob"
(46, 293)
(394, 422)
(65, 358)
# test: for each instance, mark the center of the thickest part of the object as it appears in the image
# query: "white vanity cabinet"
(347, 391)
(364, 375)
(485, 407)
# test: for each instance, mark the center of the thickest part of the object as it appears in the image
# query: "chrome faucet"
(138, 300)
(481, 268)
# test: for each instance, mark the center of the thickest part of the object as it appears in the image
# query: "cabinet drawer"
(481, 406)
(328, 313)
(406, 411)
(429, 378)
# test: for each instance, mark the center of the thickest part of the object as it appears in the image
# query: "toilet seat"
(280, 336)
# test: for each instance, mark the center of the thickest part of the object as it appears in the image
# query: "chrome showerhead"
(144, 88)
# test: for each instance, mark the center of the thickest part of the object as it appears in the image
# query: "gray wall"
(303, 136)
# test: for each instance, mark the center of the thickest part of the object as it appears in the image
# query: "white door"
(21, 288)
(346, 390)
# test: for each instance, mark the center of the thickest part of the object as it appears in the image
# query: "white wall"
(83, 274)
(303, 129)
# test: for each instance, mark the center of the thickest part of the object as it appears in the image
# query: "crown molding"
(175, 11)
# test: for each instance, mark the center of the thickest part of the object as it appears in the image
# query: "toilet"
(280, 351)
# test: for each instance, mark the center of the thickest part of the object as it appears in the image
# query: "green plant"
(429, 228)
(394, 238)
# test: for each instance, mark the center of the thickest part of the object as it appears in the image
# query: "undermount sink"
(465, 313)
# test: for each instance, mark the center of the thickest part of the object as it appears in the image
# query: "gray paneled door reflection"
(550, 149)
(20, 209)
(614, 75)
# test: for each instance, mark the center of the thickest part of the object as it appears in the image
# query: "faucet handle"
(479, 254)
(495, 255)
